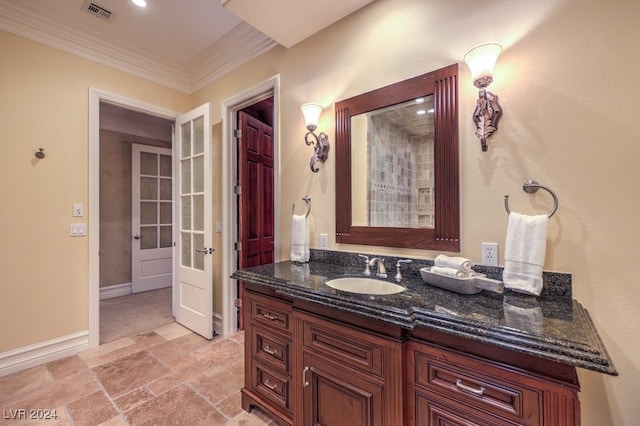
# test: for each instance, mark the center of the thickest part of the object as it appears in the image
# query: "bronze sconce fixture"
(481, 60)
(311, 114)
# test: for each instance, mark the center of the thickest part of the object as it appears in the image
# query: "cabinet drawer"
(429, 412)
(271, 349)
(270, 312)
(345, 345)
(477, 384)
(274, 386)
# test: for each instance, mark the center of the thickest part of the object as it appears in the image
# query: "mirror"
(397, 165)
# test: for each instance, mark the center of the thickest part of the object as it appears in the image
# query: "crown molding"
(235, 48)
(217, 60)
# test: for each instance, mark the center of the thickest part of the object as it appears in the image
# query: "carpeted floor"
(128, 315)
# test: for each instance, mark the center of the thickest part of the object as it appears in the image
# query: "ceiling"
(184, 44)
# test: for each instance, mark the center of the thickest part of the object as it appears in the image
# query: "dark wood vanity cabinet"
(309, 370)
(313, 365)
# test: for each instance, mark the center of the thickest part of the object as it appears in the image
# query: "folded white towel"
(300, 238)
(524, 251)
(449, 272)
(460, 263)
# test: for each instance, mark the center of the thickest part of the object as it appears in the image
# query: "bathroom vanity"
(316, 355)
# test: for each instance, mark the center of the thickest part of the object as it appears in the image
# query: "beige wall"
(565, 81)
(44, 103)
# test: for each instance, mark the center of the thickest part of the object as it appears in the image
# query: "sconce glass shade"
(481, 61)
(311, 114)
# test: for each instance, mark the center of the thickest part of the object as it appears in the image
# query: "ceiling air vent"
(98, 11)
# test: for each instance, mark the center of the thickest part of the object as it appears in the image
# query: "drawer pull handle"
(270, 316)
(305, 383)
(270, 351)
(268, 384)
(475, 391)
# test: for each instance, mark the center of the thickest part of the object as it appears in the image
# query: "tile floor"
(165, 376)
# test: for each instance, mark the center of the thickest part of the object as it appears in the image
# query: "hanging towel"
(299, 238)
(459, 263)
(525, 247)
(448, 272)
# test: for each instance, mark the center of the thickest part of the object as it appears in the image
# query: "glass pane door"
(192, 194)
(155, 201)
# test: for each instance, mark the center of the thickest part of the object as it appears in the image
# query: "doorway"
(256, 202)
(269, 92)
(135, 216)
(100, 100)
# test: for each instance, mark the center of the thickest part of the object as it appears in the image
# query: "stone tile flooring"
(165, 376)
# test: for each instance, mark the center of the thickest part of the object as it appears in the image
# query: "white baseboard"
(43, 352)
(115, 291)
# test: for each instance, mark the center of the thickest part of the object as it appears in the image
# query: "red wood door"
(256, 210)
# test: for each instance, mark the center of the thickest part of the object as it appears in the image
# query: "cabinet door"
(338, 397)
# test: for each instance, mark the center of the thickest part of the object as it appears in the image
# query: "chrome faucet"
(382, 271)
(366, 272)
(398, 276)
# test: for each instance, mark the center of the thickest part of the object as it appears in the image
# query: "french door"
(151, 218)
(193, 286)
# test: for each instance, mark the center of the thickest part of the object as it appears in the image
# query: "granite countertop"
(553, 326)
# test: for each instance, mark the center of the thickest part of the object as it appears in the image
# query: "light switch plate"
(324, 241)
(78, 229)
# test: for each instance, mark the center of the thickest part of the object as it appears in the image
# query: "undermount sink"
(364, 285)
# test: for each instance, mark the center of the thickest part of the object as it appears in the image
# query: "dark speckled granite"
(552, 326)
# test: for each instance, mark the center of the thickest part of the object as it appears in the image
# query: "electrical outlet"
(490, 254)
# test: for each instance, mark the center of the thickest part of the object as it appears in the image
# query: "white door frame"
(229, 108)
(95, 97)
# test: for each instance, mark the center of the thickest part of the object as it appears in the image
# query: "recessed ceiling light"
(139, 3)
(421, 111)
(419, 100)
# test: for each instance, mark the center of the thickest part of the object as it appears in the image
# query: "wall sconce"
(311, 114)
(481, 60)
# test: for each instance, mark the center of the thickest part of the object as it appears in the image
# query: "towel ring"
(531, 187)
(307, 199)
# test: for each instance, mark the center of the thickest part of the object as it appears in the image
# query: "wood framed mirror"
(401, 190)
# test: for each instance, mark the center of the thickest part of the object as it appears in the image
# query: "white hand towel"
(300, 238)
(460, 263)
(449, 272)
(525, 247)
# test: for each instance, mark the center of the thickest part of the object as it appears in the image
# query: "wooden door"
(256, 209)
(193, 286)
(151, 218)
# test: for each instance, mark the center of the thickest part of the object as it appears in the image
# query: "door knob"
(136, 236)
(205, 250)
